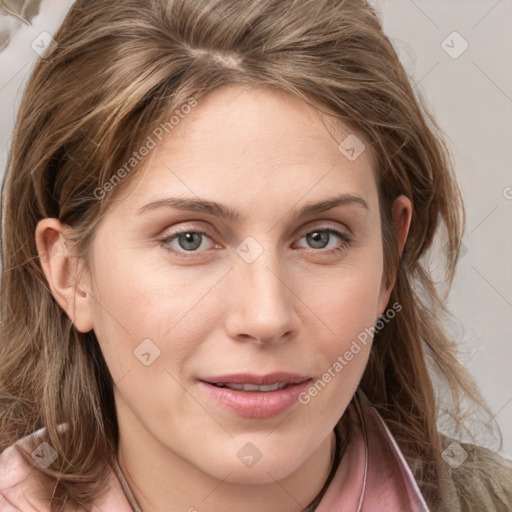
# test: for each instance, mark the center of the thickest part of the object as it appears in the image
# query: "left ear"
(401, 214)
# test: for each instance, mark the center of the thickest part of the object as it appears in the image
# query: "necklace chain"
(127, 491)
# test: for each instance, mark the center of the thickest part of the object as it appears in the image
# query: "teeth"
(254, 387)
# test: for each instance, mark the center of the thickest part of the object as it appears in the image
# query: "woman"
(213, 297)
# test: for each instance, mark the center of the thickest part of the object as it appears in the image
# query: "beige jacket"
(482, 483)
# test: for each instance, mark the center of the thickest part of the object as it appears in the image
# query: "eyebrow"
(223, 211)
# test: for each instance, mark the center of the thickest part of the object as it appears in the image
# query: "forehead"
(244, 145)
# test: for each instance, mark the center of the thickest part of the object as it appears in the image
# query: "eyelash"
(346, 240)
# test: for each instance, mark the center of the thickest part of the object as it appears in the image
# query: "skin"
(296, 308)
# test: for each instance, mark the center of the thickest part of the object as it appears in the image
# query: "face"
(176, 296)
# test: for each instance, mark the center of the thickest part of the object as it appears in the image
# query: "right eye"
(186, 241)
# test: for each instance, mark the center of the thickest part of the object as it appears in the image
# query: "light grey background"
(470, 94)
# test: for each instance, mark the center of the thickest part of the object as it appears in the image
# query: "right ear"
(61, 270)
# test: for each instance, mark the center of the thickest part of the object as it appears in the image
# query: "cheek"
(350, 298)
(348, 309)
(141, 309)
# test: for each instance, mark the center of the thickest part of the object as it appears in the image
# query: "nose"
(262, 304)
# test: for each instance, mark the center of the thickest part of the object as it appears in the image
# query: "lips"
(254, 396)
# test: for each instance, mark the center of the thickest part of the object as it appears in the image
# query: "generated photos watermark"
(151, 142)
(44, 455)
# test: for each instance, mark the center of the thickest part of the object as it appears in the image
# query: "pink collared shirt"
(373, 475)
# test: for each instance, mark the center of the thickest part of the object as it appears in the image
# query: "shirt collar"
(373, 474)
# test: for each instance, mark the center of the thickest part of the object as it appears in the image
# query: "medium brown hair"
(119, 69)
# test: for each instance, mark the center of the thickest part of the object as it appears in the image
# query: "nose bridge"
(263, 302)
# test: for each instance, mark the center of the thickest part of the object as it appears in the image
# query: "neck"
(157, 477)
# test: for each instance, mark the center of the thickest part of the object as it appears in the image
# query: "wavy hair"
(119, 70)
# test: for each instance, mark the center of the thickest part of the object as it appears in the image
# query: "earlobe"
(61, 269)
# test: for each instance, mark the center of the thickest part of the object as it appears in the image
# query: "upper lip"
(258, 380)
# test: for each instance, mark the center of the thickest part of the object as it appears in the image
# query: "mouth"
(280, 379)
(254, 396)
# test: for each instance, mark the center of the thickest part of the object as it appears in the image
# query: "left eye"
(319, 237)
(190, 241)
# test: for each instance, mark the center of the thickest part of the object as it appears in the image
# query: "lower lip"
(256, 404)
